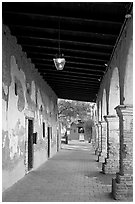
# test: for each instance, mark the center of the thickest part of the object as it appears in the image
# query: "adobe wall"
(24, 95)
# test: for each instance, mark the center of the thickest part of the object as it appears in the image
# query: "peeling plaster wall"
(123, 60)
(24, 94)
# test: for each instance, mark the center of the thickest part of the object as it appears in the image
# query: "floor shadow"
(105, 179)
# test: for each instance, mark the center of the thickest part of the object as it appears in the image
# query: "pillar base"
(97, 152)
(110, 166)
(102, 157)
(94, 146)
(122, 187)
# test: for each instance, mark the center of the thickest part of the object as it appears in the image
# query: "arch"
(99, 110)
(114, 92)
(95, 112)
(128, 79)
(104, 106)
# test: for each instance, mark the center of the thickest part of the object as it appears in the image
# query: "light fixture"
(128, 16)
(59, 60)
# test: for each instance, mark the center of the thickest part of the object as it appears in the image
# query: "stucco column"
(97, 136)
(111, 164)
(103, 154)
(122, 185)
(93, 139)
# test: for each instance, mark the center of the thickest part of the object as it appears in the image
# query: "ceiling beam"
(79, 74)
(69, 75)
(75, 91)
(60, 18)
(69, 67)
(35, 60)
(81, 80)
(67, 56)
(64, 41)
(78, 98)
(65, 49)
(85, 99)
(73, 81)
(67, 32)
(73, 85)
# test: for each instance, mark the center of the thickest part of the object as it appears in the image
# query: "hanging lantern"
(59, 60)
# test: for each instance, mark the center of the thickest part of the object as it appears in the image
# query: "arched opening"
(114, 93)
(128, 79)
(112, 162)
(103, 153)
(99, 110)
(104, 108)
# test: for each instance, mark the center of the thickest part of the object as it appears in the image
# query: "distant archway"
(114, 92)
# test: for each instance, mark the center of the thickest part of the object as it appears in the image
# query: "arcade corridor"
(72, 175)
(93, 43)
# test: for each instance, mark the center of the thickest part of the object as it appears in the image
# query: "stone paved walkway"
(72, 175)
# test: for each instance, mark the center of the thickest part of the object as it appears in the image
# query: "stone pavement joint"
(72, 175)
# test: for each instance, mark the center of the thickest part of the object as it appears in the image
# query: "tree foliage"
(70, 111)
(73, 108)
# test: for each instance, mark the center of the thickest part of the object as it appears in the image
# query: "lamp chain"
(59, 37)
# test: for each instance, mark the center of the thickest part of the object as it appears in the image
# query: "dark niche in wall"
(35, 138)
(20, 93)
(28, 88)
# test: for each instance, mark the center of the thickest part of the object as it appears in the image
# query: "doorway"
(30, 144)
(49, 133)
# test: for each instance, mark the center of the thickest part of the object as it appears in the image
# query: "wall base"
(111, 166)
(53, 151)
(39, 158)
(9, 177)
(122, 187)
